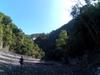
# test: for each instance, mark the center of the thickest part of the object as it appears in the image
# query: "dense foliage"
(85, 38)
(16, 40)
(83, 35)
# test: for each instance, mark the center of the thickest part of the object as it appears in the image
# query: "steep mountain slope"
(49, 41)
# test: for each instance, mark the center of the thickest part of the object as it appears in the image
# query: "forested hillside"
(15, 39)
(77, 38)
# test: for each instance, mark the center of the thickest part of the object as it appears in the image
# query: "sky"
(37, 16)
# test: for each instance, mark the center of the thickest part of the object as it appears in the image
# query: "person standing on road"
(21, 61)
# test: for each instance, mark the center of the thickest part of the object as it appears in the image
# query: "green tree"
(61, 42)
(1, 35)
(85, 37)
(7, 35)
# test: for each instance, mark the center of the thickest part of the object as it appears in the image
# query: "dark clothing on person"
(21, 61)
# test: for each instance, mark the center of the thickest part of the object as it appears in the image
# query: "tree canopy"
(16, 40)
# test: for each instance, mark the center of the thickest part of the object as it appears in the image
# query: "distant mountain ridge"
(52, 36)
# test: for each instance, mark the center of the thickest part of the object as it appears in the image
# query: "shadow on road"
(29, 68)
